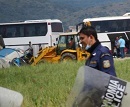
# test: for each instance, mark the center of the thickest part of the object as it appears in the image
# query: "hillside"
(69, 12)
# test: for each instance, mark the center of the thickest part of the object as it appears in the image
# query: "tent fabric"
(4, 64)
(9, 56)
(6, 51)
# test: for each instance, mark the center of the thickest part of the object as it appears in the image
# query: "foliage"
(123, 69)
(70, 12)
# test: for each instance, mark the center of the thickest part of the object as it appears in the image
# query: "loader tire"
(68, 56)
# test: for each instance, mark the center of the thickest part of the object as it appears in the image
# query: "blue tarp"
(6, 51)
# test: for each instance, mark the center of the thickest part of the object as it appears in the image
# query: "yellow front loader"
(68, 48)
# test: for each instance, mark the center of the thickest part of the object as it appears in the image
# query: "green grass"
(123, 69)
(47, 84)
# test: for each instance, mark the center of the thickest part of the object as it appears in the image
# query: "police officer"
(100, 57)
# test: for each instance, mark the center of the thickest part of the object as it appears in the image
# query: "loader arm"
(44, 52)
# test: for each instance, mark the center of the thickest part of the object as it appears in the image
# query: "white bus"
(108, 28)
(18, 34)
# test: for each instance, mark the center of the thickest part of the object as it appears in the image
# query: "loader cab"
(67, 41)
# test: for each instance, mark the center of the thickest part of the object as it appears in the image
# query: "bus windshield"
(56, 27)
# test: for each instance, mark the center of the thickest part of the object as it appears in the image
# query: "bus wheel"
(68, 56)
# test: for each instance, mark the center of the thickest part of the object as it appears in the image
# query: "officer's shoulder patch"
(106, 64)
(105, 54)
(93, 62)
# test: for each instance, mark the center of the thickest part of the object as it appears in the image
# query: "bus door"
(2, 44)
(112, 37)
(128, 44)
(104, 39)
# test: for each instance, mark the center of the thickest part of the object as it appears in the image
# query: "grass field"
(48, 85)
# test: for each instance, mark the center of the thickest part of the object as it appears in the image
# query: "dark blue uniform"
(101, 59)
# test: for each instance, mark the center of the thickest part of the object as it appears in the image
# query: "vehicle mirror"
(56, 39)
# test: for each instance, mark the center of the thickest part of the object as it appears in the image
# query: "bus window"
(98, 28)
(128, 25)
(114, 26)
(56, 27)
(10, 31)
(43, 29)
(19, 31)
(35, 30)
(30, 30)
(121, 25)
(124, 25)
(3, 31)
